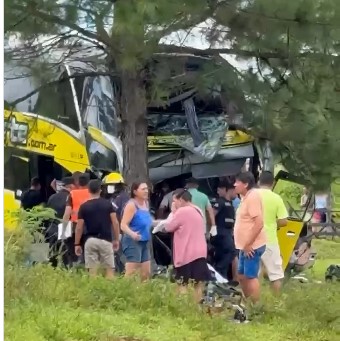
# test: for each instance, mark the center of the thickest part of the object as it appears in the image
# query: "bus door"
(291, 189)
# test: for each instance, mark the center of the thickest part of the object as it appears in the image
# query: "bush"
(55, 305)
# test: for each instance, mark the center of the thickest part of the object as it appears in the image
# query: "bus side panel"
(288, 237)
(38, 135)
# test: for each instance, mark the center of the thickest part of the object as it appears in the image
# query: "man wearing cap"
(201, 200)
(57, 202)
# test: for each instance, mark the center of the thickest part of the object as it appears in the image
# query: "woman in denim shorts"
(136, 225)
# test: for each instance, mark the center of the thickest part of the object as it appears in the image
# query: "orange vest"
(79, 196)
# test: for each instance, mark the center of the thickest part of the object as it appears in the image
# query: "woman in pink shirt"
(189, 243)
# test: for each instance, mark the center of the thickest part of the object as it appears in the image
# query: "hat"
(113, 178)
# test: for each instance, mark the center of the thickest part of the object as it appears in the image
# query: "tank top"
(79, 196)
(141, 222)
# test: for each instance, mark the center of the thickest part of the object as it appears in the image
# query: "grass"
(54, 305)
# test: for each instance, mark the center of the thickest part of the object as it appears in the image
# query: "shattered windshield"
(195, 126)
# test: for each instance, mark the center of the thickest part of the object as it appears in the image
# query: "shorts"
(135, 252)
(195, 271)
(250, 267)
(272, 262)
(98, 252)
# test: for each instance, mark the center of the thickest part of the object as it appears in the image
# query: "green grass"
(54, 305)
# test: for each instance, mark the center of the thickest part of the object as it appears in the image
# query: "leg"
(182, 289)
(132, 252)
(106, 257)
(240, 273)
(131, 269)
(234, 266)
(198, 291)
(92, 260)
(272, 263)
(251, 272)
(145, 271)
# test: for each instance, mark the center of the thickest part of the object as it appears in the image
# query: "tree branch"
(33, 92)
(53, 19)
(239, 52)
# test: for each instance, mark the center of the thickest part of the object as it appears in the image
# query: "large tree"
(287, 91)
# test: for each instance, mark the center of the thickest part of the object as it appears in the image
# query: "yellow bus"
(72, 124)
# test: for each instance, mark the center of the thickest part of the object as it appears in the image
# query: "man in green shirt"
(201, 200)
(275, 216)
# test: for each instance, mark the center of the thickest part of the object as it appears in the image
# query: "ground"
(53, 305)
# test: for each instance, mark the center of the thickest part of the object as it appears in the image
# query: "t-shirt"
(96, 214)
(225, 216)
(250, 208)
(189, 241)
(119, 203)
(200, 200)
(31, 198)
(273, 209)
(57, 202)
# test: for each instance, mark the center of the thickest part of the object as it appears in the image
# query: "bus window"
(68, 102)
(56, 102)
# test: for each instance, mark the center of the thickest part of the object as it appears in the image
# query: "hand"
(78, 250)
(213, 231)
(173, 207)
(135, 236)
(249, 251)
(115, 245)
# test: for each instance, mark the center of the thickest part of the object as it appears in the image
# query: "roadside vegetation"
(55, 305)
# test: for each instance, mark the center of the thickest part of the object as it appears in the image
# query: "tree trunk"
(134, 128)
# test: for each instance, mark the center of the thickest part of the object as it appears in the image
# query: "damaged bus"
(73, 125)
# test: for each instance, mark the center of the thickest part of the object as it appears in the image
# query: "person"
(202, 201)
(223, 243)
(57, 202)
(189, 243)
(76, 197)
(163, 201)
(102, 232)
(32, 197)
(275, 216)
(136, 227)
(321, 203)
(304, 198)
(249, 234)
(76, 175)
(115, 192)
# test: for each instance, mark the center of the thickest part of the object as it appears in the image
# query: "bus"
(72, 124)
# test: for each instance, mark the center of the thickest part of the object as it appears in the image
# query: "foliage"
(287, 90)
(46, 304)
(18, 241)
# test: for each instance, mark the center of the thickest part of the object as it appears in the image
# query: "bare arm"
(211, 214)
(66, 218)
(79, 231)
(173, 224)
(115, 226)
(128, 214)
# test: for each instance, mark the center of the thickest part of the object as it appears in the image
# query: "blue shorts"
(135, 252)
(250, 267)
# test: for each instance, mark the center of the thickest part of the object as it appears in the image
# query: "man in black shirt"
(57, 202)
(102, 229)
(32, 197)
(223, 243)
